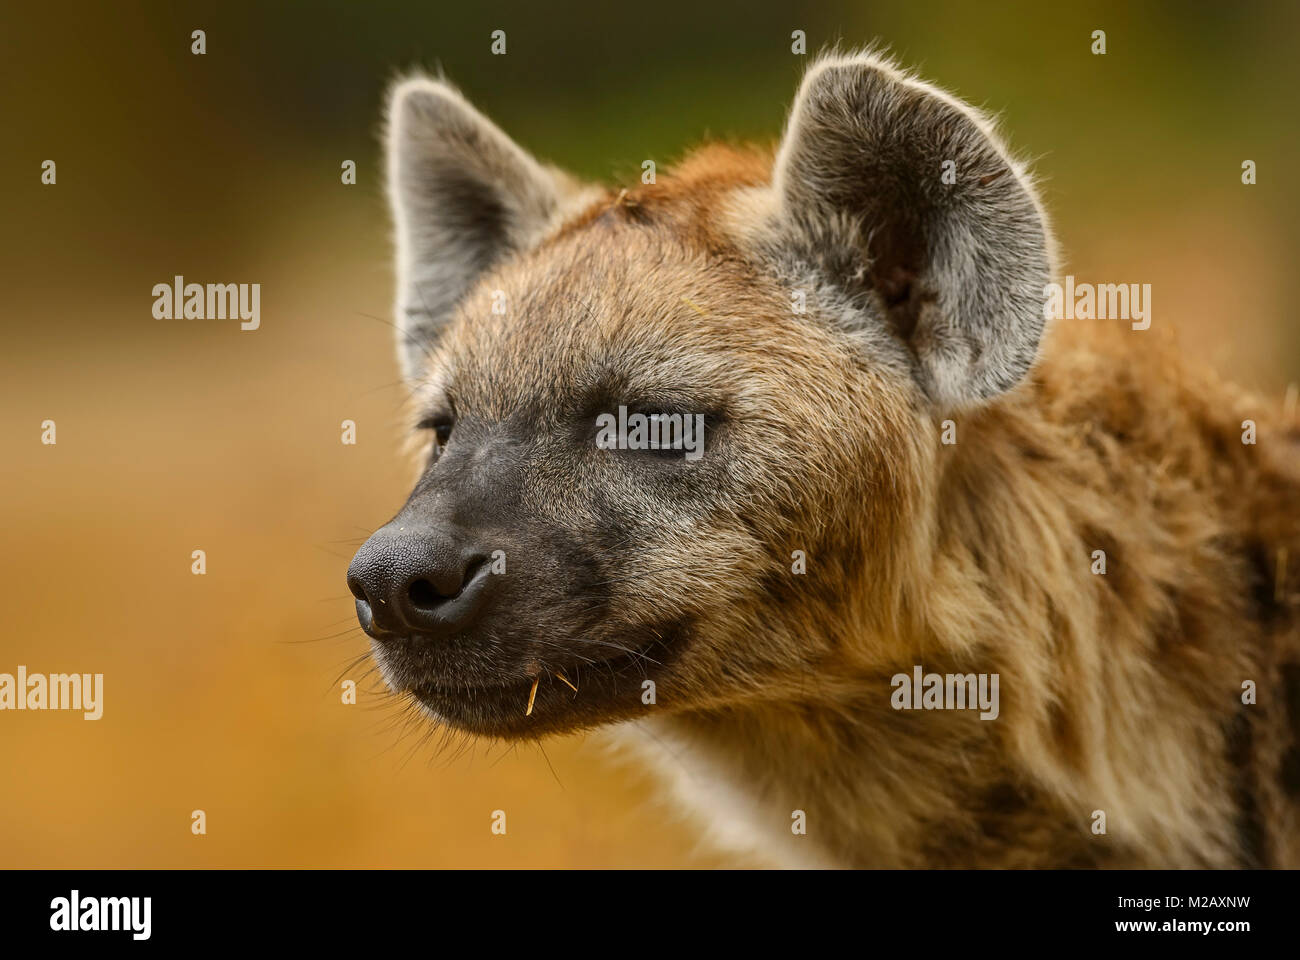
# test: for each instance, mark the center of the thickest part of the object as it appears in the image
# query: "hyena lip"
(607, 690)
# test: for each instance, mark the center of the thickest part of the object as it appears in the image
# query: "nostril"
(423, 594)
(404, 583)
(430, 593)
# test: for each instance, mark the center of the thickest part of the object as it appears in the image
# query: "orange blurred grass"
(218, 694)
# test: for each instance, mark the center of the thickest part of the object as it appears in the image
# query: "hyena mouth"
(556, 698)
(487, 652)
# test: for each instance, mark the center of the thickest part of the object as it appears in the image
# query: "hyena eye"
(441, 427)
(667, 434)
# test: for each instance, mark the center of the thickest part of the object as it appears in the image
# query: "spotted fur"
(1120, 693)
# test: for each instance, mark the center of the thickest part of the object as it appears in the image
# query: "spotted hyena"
(897, 475)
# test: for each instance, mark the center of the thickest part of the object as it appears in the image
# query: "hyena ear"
(464, 195)
(906, 197)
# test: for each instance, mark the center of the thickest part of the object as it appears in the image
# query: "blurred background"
(222, 691)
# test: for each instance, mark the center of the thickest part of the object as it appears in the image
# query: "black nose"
(409, 582)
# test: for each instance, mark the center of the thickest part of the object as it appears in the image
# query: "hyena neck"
(1118, 695)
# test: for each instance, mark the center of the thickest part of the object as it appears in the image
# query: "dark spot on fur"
(1004, 799)
(1065, 736)
(1240, 745)
(634, 211)
(1289, 772)
(1263, 607)
(1117, 578)
(1032, 451)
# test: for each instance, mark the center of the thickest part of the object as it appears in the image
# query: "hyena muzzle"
(896, 473)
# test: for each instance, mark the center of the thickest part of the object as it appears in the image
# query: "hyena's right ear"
(464, 195)
(907, 200)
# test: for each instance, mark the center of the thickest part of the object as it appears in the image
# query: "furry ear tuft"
(940, 225)
(463, 196)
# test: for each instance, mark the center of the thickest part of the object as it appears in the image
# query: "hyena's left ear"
(464, 195)
(906, 196)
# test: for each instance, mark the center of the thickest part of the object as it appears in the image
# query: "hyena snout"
(430, 583)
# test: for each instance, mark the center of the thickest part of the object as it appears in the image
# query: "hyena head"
(816, 311)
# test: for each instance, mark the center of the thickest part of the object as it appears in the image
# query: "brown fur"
(1120, 692)
(1127, 687)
